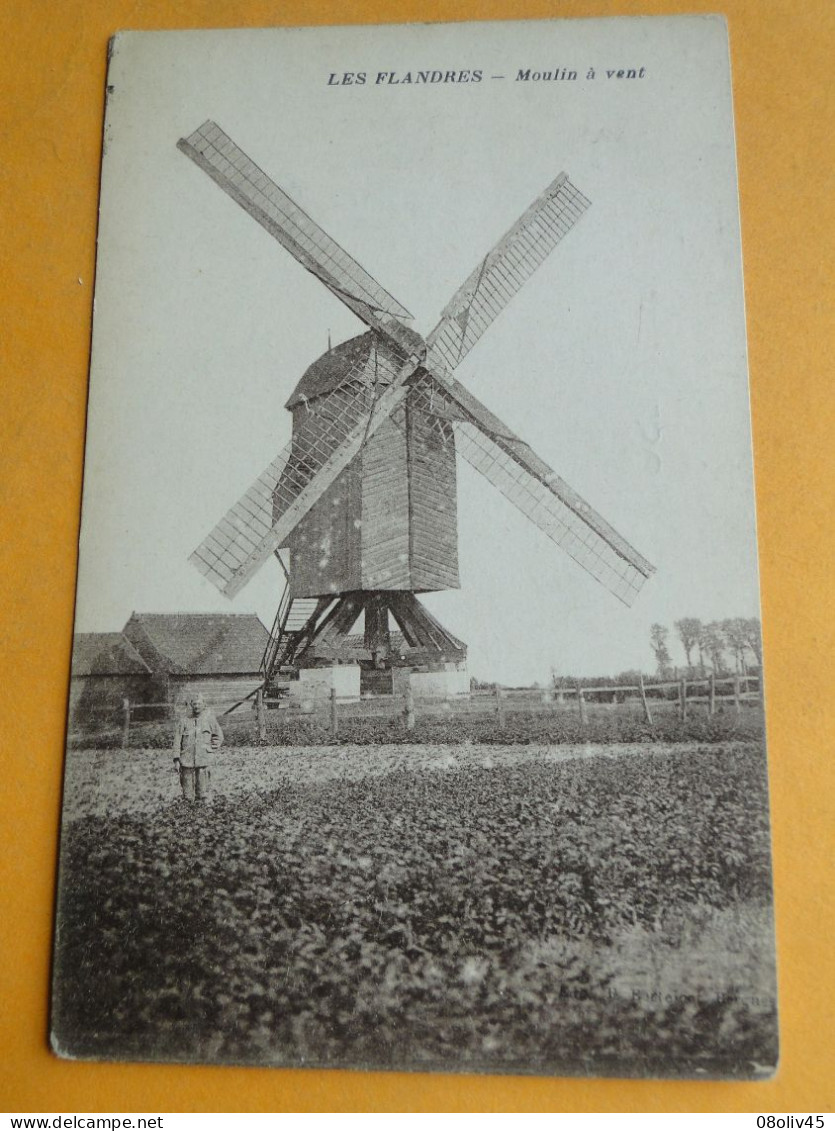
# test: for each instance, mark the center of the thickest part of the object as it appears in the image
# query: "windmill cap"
(335, 366)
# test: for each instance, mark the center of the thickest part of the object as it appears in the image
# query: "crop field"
(449, 722)
(526, 908)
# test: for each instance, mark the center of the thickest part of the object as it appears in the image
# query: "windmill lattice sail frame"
(410, 374)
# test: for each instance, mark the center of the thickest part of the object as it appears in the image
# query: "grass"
(473, 908)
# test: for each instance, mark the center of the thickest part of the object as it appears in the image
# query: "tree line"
(719, 647)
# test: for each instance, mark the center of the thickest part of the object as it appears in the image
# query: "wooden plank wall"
(390, 519)
(432, 504)
(325, 548)
(385, 508)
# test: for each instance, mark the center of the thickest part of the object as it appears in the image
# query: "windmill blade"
(262, 520)
(226, 549)
(214, 152)
(530, 484)
(557, 510)
(503, 272)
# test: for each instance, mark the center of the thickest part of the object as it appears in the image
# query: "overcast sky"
(622, 361)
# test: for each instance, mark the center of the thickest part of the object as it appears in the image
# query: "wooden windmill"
(360, 506)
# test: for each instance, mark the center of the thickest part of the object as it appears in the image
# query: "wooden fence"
(683, 696)
(710, 690)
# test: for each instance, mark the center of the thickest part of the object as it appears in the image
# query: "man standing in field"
(197, 737)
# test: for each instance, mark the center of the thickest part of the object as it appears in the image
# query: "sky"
(622, 361)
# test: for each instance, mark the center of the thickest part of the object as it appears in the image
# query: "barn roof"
(328, 373)
(352, 647)
(201, 643)
(105, 653)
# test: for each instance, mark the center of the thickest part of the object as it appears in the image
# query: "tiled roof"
(105, 653)
(353, 647)
(201, 643)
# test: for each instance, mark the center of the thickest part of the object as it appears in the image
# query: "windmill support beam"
(377, 637)
(339, 622)
(420, 628)
(429, 647)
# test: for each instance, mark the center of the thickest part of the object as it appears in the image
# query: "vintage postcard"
(416, 708)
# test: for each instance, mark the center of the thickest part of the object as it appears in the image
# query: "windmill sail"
(298, 477)
(535, 489)
(214, 152)
(261, 521)
(504, 271)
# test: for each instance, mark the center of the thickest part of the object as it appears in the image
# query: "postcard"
(416, 708)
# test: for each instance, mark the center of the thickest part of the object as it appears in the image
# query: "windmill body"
(360, 506)
(382, 532)
(389, 521)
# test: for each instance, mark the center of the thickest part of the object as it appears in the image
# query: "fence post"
(334, 714)
(711, 703)
(409, 707)
(581, 704)
(262, 715)
(642, 689)
(737, 703)
(682, 698)
(499, 707)
(125, 723)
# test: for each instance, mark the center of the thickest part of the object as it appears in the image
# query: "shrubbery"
(609, 725)
(469, 917)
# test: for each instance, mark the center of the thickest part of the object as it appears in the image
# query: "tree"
(733, 630)
(753, 637)
(689, 629)
(658, 639)
(482, 684)
(700, 644)
(630, 678)
(712, 642)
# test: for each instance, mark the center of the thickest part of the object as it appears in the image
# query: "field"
(474, 719)
(524, 908)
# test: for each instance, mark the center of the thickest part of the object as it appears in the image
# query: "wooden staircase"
(294, 623)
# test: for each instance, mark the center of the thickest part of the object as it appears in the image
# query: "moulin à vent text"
(527, 74)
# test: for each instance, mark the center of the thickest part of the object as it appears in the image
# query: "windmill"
(360, 506)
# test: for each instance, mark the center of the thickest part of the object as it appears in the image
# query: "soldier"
(197, 737)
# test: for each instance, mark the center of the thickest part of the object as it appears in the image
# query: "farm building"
(218, 654)
(106, 668)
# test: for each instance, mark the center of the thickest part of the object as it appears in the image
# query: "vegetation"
(608, 723)
(607, 914)
(722, 647)
(658, 635)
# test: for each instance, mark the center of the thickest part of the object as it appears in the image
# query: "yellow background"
(53, 69)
